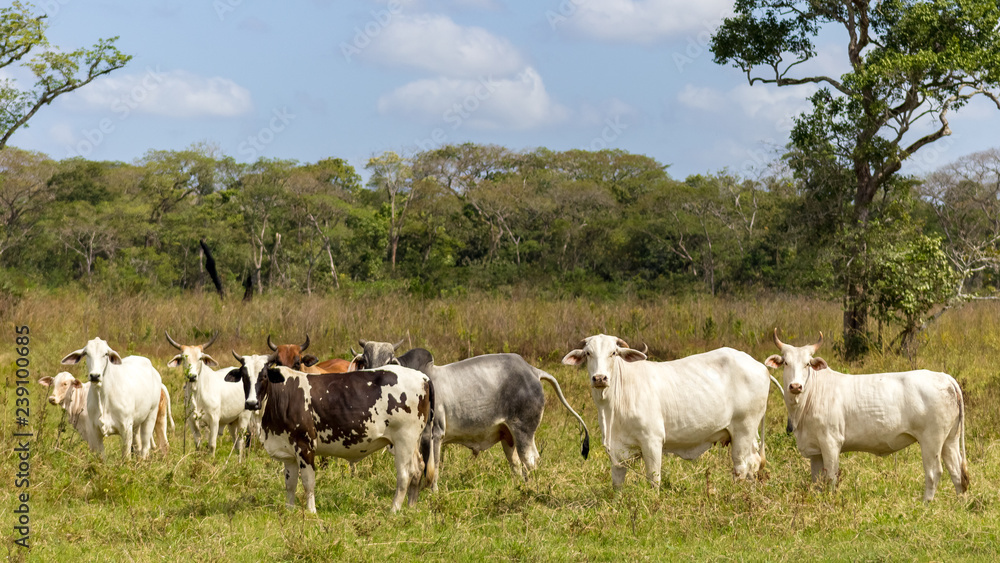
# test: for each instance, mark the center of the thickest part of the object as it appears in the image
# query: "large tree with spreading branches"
(909, 65)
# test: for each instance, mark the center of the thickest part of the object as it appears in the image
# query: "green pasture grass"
(190, 506)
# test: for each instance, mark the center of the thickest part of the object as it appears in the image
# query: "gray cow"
(479, 402)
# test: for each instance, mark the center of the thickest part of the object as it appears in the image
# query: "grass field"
(191, 507)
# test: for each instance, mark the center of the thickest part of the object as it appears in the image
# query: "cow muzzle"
(95, 378)
(252, 405)
(52, 400)
(599, 381)
(795, 388)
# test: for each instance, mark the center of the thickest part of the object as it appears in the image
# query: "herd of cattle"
(300, 408)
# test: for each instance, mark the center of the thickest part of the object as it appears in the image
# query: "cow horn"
(271, 344)
(582, 344)
(622, 344)
(306, 345)
(818, 342)
(210, 342)
(778, 342)
(645, 348)
(362, 343)
(171, 340)
(398, 344)
(353, 353)
(238, 357)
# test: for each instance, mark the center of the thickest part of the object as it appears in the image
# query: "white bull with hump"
(217, 402)
(124, 395)
(680, 407)
(880, 413)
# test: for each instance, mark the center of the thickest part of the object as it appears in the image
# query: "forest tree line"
(470, 216)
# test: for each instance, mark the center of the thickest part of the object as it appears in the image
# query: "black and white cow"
(349, 416)
(484, 400)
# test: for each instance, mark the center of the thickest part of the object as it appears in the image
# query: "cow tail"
(763, 436)
(426, 438)
(961, 429)
(542, 376)
(162, 416)
(170, 413)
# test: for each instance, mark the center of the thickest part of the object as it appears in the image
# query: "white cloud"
(175, 93)
(516, 103)
(437, 44)
(767, 103)
(701, 98)
(638, 21)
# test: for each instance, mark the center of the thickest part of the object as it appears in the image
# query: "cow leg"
(437, 442)
(952, 454)
(816, 465)
(931, 453)
(146, 434)
(652, 458)
(213, 434)
(405, 454)
(308, 474)
(831, 461)
(511, 452)
(745, 452)
(127, 436)
(291, 482)
(416, 465)
(618, 473)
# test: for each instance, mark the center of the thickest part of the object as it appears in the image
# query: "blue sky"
(313, 79)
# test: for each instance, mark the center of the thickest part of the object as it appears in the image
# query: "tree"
(910, 63)
(56, 73)
(392, 174)
(24, 192)
(965, 197)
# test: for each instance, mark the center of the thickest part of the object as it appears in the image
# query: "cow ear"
(76, 383)
(72, 358)
(114, 357)
(575, 358)
(45, 381)
(309, 360)
(175, 361)
(818, 364)
(774, 361)
(209, 361)
(234, 376)
(274, 375)
(631, 355)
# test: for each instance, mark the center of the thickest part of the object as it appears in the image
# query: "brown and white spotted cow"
(291, 356)
(349, 416)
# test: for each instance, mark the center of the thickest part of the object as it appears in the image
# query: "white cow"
(70, 394)
(124, 395)
(680, 407)
(879, 413)
(219, 403)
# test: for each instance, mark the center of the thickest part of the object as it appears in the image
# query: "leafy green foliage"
(56, 72)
